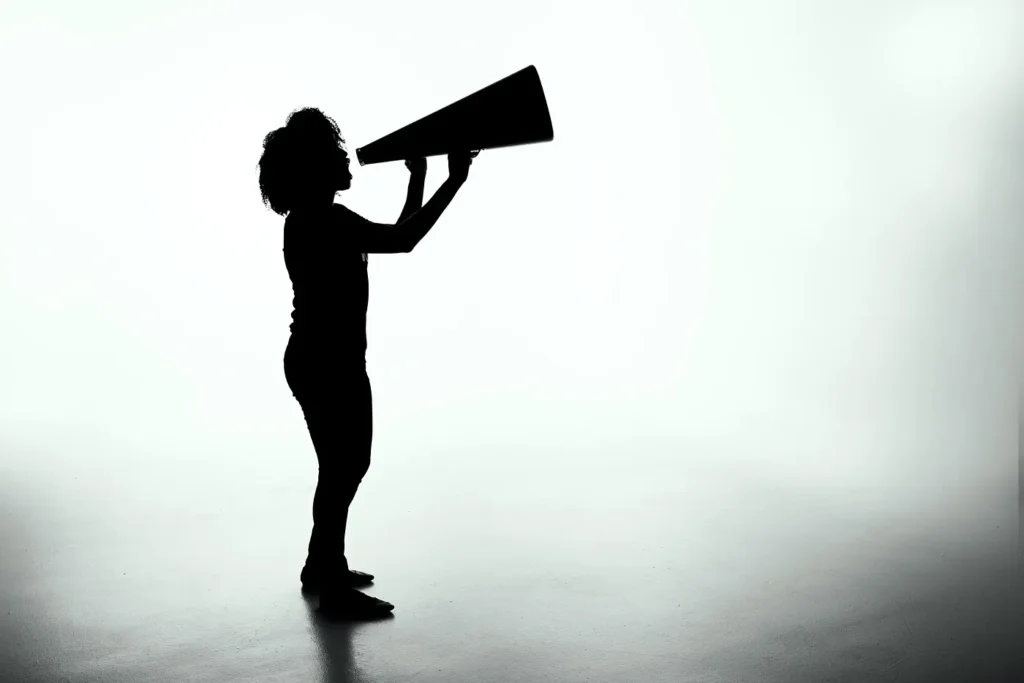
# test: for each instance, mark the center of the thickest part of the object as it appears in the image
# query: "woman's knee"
(345, 467)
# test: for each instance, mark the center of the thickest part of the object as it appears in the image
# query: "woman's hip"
(309, 367)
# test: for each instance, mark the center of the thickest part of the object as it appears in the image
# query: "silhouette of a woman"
(326, 247)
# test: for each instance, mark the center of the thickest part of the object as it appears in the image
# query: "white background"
(782, 235)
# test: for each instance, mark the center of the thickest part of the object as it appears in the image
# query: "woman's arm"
(359, 234)
(415, 227)
(414, 196)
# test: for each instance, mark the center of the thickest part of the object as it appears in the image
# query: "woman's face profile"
(344, 177)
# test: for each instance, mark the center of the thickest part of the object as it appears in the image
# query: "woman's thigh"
(337, 403)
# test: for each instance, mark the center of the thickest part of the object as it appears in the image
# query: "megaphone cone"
(512, 111)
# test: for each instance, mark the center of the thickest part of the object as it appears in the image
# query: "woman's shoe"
(348, 603)
(313, 580)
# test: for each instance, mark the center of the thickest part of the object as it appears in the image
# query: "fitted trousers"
(334, 393)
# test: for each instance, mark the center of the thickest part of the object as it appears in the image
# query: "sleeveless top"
(330, 282)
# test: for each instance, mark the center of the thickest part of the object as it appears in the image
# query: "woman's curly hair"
(299, 158)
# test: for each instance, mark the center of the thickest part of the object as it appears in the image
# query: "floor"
(122, 568)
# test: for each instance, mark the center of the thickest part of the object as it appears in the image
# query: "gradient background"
(775, 240)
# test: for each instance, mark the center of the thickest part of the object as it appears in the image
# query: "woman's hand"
(417, 166)
(458, 165)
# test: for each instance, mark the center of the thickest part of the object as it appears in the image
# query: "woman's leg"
(338, 407)
(340, 422)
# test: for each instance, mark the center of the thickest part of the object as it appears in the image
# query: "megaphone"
(510, 112)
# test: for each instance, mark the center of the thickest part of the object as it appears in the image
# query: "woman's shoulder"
(326, 214)
(303, 220)
(314, 225)
(303, 214)
(343, 214)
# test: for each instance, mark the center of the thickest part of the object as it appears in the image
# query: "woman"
(304, 164)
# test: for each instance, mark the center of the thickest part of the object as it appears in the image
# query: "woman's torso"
(330, 288)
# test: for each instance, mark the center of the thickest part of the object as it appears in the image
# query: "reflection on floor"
(589, 569)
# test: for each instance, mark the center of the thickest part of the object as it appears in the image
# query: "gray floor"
(120, 567)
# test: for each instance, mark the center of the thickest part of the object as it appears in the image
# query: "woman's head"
(303, 162)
